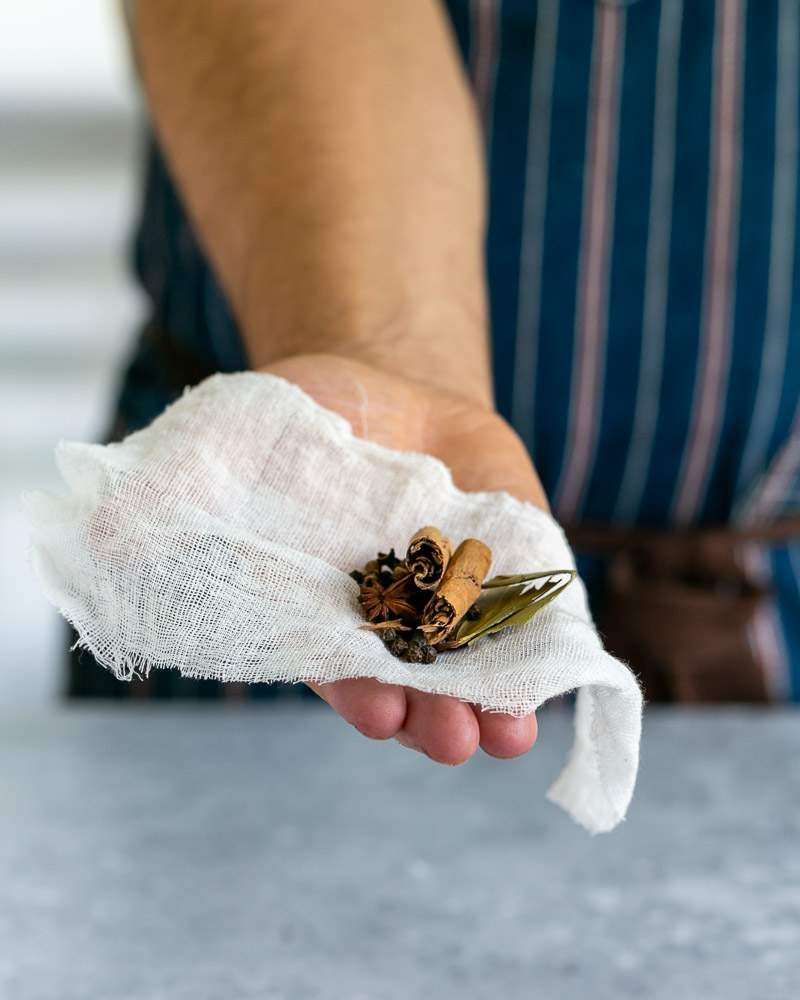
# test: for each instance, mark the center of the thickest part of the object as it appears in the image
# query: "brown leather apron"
(678, 605)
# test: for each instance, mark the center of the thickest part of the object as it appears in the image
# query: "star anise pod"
(383, 603)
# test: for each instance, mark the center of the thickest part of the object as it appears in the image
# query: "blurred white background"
(69, 116)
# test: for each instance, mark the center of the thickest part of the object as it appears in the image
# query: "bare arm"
(329, 155)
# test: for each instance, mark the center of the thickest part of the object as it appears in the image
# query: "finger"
(505, 735)
(376, 710)
(443, 728)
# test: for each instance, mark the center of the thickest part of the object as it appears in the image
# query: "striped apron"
(644, 282)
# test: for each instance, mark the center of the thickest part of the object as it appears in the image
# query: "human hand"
(482, 453)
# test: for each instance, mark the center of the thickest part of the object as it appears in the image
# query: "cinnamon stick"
(427, 557)
(458, 591)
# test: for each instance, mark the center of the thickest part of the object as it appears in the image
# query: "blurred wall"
(69, 117)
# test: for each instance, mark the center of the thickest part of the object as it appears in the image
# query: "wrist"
(445, 347)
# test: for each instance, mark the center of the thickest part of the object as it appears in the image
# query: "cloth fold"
(218, 541)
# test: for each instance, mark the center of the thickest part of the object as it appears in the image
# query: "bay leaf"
(507, 601)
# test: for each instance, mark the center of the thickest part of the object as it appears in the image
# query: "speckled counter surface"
(220, 854)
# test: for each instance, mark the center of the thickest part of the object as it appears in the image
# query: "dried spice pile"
(438, 599)
(416, 603)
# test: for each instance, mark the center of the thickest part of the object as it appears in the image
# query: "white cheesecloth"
(218, 541)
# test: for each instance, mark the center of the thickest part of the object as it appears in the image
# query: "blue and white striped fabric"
(642, 264)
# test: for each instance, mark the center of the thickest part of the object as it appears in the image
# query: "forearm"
(329, 156)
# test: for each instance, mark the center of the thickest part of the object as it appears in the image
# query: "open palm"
(483, 453)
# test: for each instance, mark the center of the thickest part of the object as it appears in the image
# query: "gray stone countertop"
(230, 853)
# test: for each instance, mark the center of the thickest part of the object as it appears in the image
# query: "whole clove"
(389, 560)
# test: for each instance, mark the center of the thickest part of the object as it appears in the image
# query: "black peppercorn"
(473, 613)
(399, 647)
(357, 575)
(388, 635)
(428, 653)
(414, 653)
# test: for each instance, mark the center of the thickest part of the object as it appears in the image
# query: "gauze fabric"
(219, 539)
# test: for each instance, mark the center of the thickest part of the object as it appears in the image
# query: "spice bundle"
(431, 600)
(196, 545)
